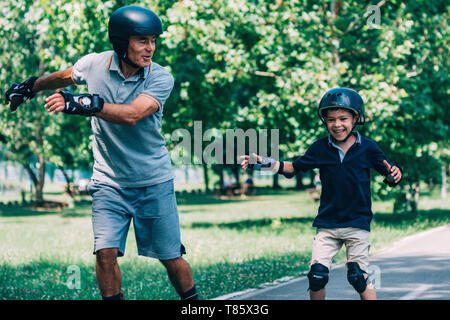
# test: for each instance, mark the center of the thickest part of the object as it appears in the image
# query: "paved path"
(415, 268)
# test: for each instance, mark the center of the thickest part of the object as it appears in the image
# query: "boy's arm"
(264, 163)
(395, 174)
(286, 168)
(392, 171)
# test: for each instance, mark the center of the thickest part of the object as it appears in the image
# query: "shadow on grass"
(207, 199)
(25, 211)
(394, 219)
(82, 206)
(381, 219)
(81, 209)
(251, 223)
(54, 280)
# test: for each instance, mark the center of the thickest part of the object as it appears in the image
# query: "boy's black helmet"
(343, 98)
(131, 21)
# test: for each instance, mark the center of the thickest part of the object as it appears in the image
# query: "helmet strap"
(128, 61)
(121, 48)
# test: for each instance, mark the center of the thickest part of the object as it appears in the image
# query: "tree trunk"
(416, 197)
(408, 198)
(276, 182)
(68, 182)
(299, 183)
(235, 170)
(220, 173)
(38, 181)
(41, 180)
(444, 182)
(205, 177)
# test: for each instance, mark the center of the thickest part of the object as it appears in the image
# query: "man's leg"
(180, 275)
(108, 273)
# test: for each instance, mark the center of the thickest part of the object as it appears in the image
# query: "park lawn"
(232, 245)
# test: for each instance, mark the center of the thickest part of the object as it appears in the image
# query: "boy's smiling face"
(340, 123)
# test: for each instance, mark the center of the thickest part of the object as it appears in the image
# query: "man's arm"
(21, 92)
(55, 80)
(129, 114)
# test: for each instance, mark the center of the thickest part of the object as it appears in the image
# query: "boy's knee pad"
(318, 277)
(355, 277)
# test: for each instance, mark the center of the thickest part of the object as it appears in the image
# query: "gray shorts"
(154, 213)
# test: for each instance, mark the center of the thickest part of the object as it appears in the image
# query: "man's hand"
(395, 174)
(55, 103)
(19, 93)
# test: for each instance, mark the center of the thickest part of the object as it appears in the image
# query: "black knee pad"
(355, 277)
(318, 277)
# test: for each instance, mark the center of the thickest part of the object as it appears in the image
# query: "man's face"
(141, 49)
(339, 123)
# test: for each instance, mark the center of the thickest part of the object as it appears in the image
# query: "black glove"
(82, 104)
(389, 180)
(19, 93)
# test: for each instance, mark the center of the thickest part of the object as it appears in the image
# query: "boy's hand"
(394, 171)
(246, 160)
(260, 163)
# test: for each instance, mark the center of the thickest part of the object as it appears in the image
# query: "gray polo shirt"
(127, 156)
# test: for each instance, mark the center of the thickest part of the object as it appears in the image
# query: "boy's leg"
(369, 293)
(325, 246)
(357, 246)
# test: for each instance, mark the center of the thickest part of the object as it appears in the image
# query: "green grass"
(232, 244)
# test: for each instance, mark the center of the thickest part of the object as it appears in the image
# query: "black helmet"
(131, 21)
(343, 98)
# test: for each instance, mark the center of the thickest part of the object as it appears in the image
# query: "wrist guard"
(19, 93)
(82, 104)
(389, 180)
(266, 163)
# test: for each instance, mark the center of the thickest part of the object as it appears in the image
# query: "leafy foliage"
(248, 64)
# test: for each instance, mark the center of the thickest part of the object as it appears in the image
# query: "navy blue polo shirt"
(345, 199)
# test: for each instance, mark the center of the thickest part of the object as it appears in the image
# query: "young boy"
(344, 159)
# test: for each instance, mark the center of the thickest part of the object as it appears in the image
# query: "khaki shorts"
(328, 242)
